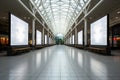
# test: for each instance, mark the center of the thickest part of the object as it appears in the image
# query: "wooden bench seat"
(79, 46)
(18, 50)
(38, 47)
(21, 49)
(98, 50)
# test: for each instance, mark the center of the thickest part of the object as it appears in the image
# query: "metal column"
(85, 32)
(33, 32)
(48, 38)
(43, 37)
(76, 37)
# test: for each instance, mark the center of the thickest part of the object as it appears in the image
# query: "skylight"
(59, 14)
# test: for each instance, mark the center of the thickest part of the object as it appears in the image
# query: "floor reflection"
(98, 69)
(38, 60)
(80, 59)
(60, 63)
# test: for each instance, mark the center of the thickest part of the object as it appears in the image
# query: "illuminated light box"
(49, 40)
(38, 37)
(99, 32)
(80, 37)
(73, 39)
(45, 39)
(18, 31)
(70, 40)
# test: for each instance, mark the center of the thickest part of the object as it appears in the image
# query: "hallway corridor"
(60, 63)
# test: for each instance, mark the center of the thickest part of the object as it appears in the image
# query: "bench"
(18, 50)
(38, 47)
(21, 49)
(79, 46)
(98, 50)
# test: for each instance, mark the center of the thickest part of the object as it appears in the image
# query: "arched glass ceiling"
(59, 14)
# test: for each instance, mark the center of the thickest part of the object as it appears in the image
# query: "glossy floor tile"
(60, 63)
(115, 52)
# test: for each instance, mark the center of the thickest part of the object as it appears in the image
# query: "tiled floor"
(60, 63)
(115, 52)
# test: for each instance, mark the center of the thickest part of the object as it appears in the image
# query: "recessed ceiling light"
(28, 17)
(116, 17)
(24, 17)
(90, 18)
(118, 12)
(4, 17)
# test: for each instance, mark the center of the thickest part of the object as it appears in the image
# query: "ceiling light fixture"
(4, 17)
(116, 17)
(28, 17)
(24, 17)
(118, 12)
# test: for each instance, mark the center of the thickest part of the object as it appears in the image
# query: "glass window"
(59, 12)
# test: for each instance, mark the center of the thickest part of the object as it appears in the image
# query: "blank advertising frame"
(101, 33)
(38, 37)
(80, 37)
(19, 35)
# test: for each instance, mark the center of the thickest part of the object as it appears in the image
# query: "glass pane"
(60, 13)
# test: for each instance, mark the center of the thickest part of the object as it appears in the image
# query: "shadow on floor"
(3, 53)
(115, 52)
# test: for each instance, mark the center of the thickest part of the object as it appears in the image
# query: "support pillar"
(48, 38)
(76, 37)
(33, 33)
(43, 37)
(71, 39)
(85, 33)
(71, 36)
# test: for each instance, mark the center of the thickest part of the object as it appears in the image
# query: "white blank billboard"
(19, 31)
(99, 32)
(45, 39)
(70, 40)
(73, 39)
(80, 37)
(49, 40)
(38, 37)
